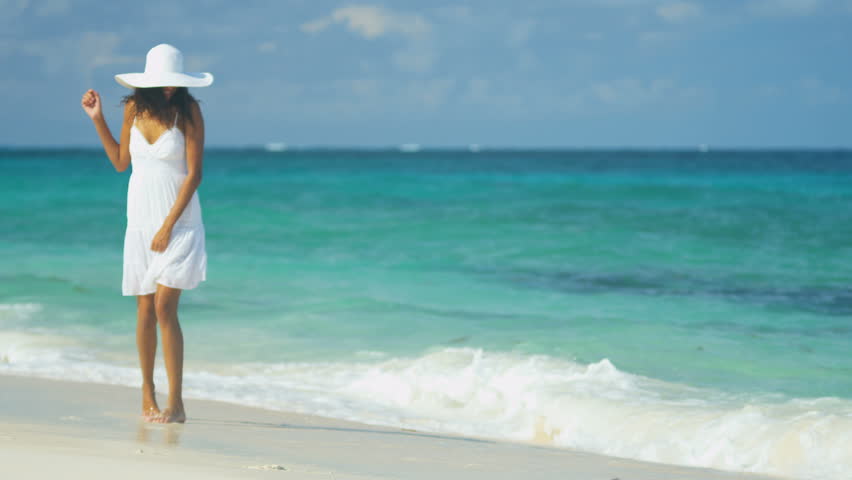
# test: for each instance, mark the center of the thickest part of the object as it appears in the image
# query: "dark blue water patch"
(27, 286)
(454, 313)
(824, 300)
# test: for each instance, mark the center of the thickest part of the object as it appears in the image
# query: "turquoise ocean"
(691, 308)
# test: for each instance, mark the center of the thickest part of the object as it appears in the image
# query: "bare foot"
(171, 415)
(150, 409)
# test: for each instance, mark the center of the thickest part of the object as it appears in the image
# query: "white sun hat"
(164, 68)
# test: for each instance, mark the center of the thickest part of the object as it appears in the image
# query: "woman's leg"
(146, 343)
(166, 304)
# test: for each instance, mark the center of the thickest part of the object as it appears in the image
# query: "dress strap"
(176, 117)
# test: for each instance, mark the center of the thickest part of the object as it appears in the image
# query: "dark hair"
(152, 102)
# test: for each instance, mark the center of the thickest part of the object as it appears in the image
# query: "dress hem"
(155, 290)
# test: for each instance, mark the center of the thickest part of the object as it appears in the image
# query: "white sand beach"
(58, 429)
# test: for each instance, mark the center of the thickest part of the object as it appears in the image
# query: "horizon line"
(472, 148)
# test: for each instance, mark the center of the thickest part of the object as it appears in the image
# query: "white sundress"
(159, 170)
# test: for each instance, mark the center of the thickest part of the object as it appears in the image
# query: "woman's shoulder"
(194, 107)
(195, 112)
(129, 109)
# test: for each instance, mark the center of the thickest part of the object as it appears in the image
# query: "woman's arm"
(194, 134)
(118, 153)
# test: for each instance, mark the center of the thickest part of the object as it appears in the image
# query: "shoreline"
(95, 431)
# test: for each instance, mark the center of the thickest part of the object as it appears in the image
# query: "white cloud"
(365, 87)
(85, 52)
(200, 63)
(780, 8)
(519, 33)
(267, 47)
(316, 26)
(100, 50)
(517, 37)
(507, 97)
(456, 13)
(250, 106)
(655, 39)
(368, 97)
(429, 94)
(677, 12)
(371, 21)
(417, 55)
(485, 93)
(629, 93)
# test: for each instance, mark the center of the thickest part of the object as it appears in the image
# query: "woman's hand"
(92, 104)
(161, 239)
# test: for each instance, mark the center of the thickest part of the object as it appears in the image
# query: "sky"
(441, 73)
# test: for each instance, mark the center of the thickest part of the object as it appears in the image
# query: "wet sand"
(61, 429)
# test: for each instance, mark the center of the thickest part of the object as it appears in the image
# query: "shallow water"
(682, 307)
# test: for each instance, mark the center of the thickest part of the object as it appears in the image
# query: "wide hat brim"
(164, 79)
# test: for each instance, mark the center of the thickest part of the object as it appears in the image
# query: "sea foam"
(592, 407)
(18, 311)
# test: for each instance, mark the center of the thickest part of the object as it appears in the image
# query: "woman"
(163, 138)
